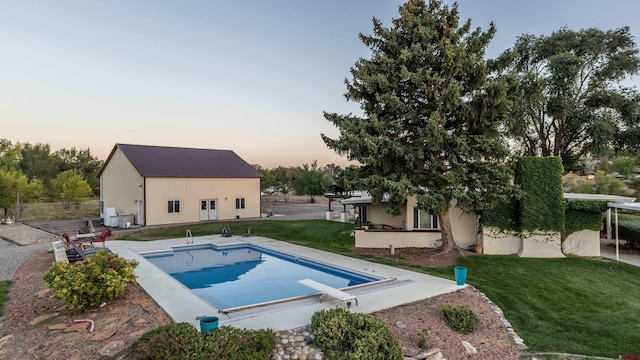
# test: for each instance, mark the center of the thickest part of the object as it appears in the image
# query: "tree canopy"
(572, 103)
(432, 109)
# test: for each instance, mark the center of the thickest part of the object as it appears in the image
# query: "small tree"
(17, 190)
(69, 186)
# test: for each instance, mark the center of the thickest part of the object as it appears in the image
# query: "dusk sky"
(249, 76)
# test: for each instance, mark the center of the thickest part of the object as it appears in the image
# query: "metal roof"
(162, 161)
(603, 197)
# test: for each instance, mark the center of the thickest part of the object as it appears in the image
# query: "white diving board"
(328, 290)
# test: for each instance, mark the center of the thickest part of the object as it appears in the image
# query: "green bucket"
(208, 323)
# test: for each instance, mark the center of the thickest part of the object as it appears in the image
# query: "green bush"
(460, 318)
(583, 215)
(353, 336)
(89, 283)
(183, 341)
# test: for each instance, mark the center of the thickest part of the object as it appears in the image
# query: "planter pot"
(208, 323)
(479, 249)
(461, 274)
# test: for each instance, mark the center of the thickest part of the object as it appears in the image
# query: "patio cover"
(616, 206)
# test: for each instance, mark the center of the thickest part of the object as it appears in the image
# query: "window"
(239, 203)
(173, 206)
(424, 220)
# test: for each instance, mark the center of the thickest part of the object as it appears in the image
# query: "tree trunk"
(448, 243)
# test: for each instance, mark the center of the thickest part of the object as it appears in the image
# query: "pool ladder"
(189, 237)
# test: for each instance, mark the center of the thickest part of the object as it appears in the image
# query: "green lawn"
(4, 290)
(573, 305)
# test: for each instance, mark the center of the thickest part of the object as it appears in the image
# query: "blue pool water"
(241, 275)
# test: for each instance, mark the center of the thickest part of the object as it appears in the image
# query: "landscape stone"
(42, 318)
(79, 327)
(57, 327)
(469, 348)
(112, 348)
(104, 335)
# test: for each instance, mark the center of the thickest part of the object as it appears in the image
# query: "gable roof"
(162, 161)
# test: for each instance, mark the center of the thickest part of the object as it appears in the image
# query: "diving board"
(328, 290)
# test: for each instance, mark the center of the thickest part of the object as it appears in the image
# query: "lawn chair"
(102, 238)
(77, 253)
(67, 242)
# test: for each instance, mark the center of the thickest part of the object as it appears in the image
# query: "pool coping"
(184, 306)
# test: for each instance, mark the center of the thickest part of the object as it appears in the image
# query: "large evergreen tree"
(432, 108)
(573, 104)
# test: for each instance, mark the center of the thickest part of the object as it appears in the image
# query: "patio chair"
(102, 238)
(77, 253)
(67, 241)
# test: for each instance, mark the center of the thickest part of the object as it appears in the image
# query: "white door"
(208, 209)
(213, 210)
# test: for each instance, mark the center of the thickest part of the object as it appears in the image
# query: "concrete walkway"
(626, 256)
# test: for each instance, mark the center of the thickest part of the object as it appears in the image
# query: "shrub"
(183, 341)
(349, 336)
(89, 283)
(171, 341)
(460, 318)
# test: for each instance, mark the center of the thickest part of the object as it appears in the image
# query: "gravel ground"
(18, 242)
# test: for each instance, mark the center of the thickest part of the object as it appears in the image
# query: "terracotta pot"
(479, 249)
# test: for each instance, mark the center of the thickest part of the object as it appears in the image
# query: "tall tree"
(311, 181)
(432, 108)
(572, 103)
(8, 155)
(37, 162)
(83, 162)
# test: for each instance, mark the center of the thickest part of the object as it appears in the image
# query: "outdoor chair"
(102, 238)
(77, 253)
(67, 241)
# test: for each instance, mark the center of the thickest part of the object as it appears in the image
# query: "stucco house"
(412, 228)
(157, 185)
(416, 228)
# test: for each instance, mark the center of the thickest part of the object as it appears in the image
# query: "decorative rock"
(79, 327)
(410, 352)
(57, 327)
(401, 325)
(136, 334)
(43, 293)
(431, 354)
(104, 335)
(125, 320)
(42, 318)
(112, 348)
(469, 348)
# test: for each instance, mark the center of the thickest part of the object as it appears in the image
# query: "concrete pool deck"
(184, 306)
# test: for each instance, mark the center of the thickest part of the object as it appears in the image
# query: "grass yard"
(4, 290)
(573, 305)
(57, 210)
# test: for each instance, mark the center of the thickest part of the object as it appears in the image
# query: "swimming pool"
(236, 276)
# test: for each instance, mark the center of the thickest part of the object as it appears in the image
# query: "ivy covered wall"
(542, 203)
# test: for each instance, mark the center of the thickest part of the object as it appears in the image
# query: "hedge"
(583, 215)
(542, 203)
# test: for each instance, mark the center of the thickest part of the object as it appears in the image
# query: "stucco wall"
(582, 243)
(399, 239)
(496, 242)
(541, 244)
(121, 186)
(378, 215)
